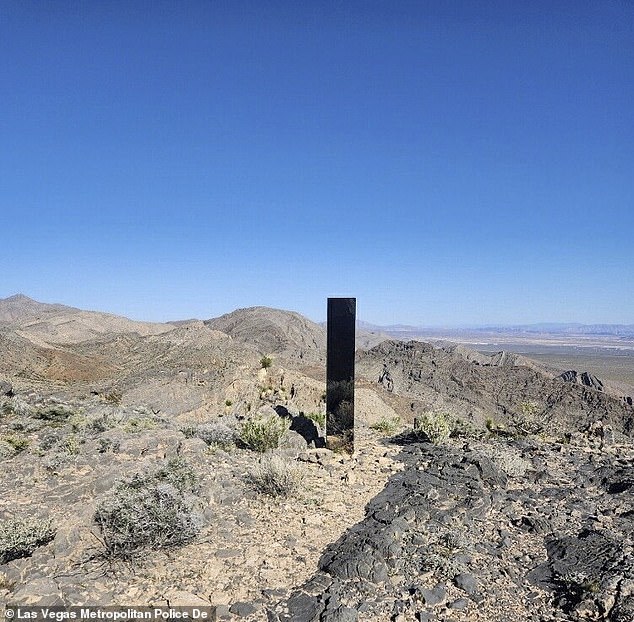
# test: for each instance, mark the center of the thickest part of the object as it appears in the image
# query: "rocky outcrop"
(423, 378)
(6, 388)
(273, 331)
(585, 378)
(465, 530)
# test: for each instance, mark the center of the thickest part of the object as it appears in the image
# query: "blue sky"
(448, 163)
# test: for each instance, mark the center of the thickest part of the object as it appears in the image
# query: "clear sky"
(447, 162)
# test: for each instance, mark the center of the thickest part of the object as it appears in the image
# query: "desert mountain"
(192, 365)
(59, 324)
(103, 417)
(418, 377)
(273, 331)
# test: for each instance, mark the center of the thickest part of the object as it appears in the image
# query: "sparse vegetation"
(151, 511)
(228, 403)
(318, 418)
(434, 427)
(262, 434)
(54, 414)
(387, 425)
(276, 476)
(528, 420)
(266, 362)
(138, 424)
(462, 428)
(19, 537)
(214, 434)
(507, 459)
(17, 442)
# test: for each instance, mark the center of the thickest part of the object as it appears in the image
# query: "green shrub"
(138, 424)
(318, 418)
(19, 537)
(527, 420)
(433, 427)
(461, 428)
(215, 434)
(150, 511)
(71, 445)
(387, 426)
(53, 414)
(266, 362)
(261, 434)
(19, 443)
(276, 476)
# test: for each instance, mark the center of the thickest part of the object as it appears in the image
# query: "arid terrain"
(485, 485)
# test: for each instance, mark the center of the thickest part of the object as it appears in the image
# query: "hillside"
(58, 324)
(525, 508)
(273, 331)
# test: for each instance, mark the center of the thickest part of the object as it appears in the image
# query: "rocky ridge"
(491, 525)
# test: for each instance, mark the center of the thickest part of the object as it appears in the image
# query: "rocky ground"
(474, 529)
(524, 513)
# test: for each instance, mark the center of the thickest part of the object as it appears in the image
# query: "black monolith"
(340, 373)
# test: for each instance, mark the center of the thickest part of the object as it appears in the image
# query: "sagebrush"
(150, 511)
(276, 476)
(19, 537)
(434, 427)
(262, 434)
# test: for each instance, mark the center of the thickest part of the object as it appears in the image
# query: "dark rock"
(222, 612)
(569, 376)
(578, 564)
(466, 582)
(590, 380)
(304, 608)
(624, 610)
(6, 388)
(242, 609)
(341, 614)
(435, 596)
(459, 604)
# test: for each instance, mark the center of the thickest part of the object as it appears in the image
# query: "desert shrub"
(527, 420)
(100, 423)
(6, 451)
(113, 397)
(150, 511)
(461, 428)
(507, 459)
(17, 442)
(105, 445)
(276, 476)
(262, 434)
(70, 445)
(55, 413)
(19, 537)
(179, 473)
(319, 418)
(215, 434)
(387, 425)
(15, 406)
(444, 568)
(138, 424)
(434, 427)
(266, 362)
(48, 441)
